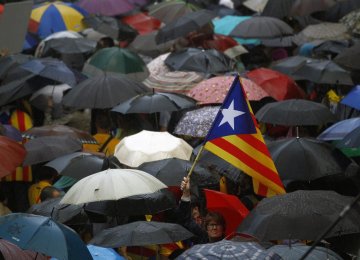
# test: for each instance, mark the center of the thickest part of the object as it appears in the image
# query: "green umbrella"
(117, 60)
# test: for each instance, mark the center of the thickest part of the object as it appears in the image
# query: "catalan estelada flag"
(236, 138)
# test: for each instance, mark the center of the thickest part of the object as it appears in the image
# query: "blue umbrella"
(102, 253)
(352, 98)
(339, 130)
(226, 24)
(44, 235)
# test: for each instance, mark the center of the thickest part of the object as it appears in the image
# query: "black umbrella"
(351, 140)
(111, 27)
(278, 8)
(10, 61)
(77, 165)
(295, 112)
(103, 91)
(337, 11)
(199, 60)
(306, 159)
(300, 215)
(349, 57)
(134, 205)
(47, 148)
(330, 48)
(172, 171)
(290, 65)
(155, 102)
(141, 233)
(185, 24)
(68, 46)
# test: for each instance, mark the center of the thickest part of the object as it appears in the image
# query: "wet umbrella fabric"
(11, 132)
(103, 91)
(299, 215)
(10, 61)
(42, 234)
(68, 46)
(347, 58)
(226, 249)
(110, 7)
(102, 253)
(295, 112)
(340, 129)
(352, 98)
(12, 154)
(351, 140)
(141, 233)
(155, 102)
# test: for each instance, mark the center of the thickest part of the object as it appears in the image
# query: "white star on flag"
(229, 115)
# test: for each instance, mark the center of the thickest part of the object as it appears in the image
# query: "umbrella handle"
(195, 161)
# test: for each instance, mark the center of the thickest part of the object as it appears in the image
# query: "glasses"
(212, 226)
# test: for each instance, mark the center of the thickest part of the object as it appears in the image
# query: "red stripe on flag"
(256, 143)
(248, 160)
(262, 190)
(21, 120)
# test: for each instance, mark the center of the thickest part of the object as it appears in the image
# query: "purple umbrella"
(11, 132)
(110, 7)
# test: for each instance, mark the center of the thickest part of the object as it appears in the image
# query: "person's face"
(214, 230)
(196, 216)
(55, 194)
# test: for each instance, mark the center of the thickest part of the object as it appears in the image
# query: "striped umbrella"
(56, 16)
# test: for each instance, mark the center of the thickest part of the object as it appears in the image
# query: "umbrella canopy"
(47, 148)
(306, 7)
(8, 62)
(77, 165)
(214, 90)
(102, 253)
(119, 60)
(68, 46)
(103, 91)
(60, 130)
(13, 155)
(44, 235)
(185, 24)
(261, 27)
(332, 48)
(352, 98)
(110, 7)
(296, 251)
(351, 140)
(148, 146)
(173, 170)
(141, 233)
(305, 159)
(228, 206)
(100, 186)
(348, 58)
(199, 60)
(299, 215)
(295, 112)
(277, 85)
(226, 249)
(340, 129)
(56, 16)
(351, 21)
(142, 22)
(11, 132)
(10, 250)
(338, 10)
(155, 102)
(290, 65)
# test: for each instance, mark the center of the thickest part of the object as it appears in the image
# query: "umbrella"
(119, 60)
(44, 235)
(11, 132)
(62, 213)
(199, 60)
(306, 159)
(68, 46)
(51, 69)
(338, 10)
(12, 251)
(155, 102)
(351, 140)
(255, 5)
(143, 204)
(102, 253)
(59, 130)
(299, 215)
(340, 129)
(169, 11)
(226, 249)
(110, 26)
(296, 251)
(290, 65)
(148, 146)
(276, 84)
(142, 22)
(197, 123)
(100, 186)
(332, 48)
(351, 21)
(77, 165)
(229, 206)
(56, 16)
(295, 112)
(110, 7)
(173, 170)
(47, 148)
(261, 27)
(12, 155)
(214, 90)
(103, 91)
(8, 62)
(306, 7)
(141, 233)
(351, 99)
(185, 24)
(347, 58)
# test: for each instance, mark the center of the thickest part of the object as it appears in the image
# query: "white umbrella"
(148, 146)
(112, 184)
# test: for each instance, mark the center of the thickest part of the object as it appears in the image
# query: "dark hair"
(105, 42)
(47, 193)
(45, 173)
(215, 216)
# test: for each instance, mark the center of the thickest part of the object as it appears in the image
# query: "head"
(45, 173)
(105, 42)
(49, 192)
(196, 215)
(215, 226)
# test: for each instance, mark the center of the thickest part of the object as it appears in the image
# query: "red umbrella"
(229, 206)
(276, 84)
(142, 22)
(12, 155)
(214, 90)
(219, 42)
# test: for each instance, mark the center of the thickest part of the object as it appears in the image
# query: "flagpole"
(195, 161)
